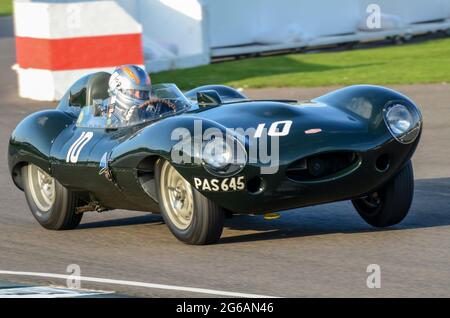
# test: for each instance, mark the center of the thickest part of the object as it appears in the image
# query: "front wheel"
(390, 204)
(52, 205)
(191, 217)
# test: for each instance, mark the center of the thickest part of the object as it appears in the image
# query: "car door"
(72, 162)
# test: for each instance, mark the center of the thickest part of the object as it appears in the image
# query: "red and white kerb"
(57, 43)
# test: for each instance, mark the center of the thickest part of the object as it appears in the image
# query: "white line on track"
(136, 284)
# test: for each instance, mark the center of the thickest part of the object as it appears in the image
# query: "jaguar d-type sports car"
(211, 152)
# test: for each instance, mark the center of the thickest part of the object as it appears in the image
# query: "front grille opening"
(321, 166)
(382, 163)
(255, 185)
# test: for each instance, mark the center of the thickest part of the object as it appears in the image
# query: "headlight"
(217, 154)
(403, 122)
(224, 157)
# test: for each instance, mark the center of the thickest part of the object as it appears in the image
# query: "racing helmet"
(130, 85)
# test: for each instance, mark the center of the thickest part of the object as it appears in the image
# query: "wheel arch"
(32, 140)
(157, 140)
(142, 151)
(357, 98)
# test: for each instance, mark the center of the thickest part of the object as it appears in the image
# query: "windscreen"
(165, 100)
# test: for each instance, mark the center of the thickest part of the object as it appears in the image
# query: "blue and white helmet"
(130, 85)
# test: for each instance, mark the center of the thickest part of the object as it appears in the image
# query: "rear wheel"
(51, 204)
(390, 204)
(191, 217)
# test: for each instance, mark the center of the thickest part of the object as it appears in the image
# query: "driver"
(129, 88)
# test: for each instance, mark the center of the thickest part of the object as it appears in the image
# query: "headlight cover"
(224, 157)
(403, 121)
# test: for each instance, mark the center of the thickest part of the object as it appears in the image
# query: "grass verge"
(426, 62)
(5, 7)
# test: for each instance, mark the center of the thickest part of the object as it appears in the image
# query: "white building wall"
(236, 22)
(232, 22)
(174, 33)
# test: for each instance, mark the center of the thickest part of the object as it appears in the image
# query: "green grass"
(5, 7)
(426, 62)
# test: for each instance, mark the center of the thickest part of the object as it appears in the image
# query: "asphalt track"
(321, 251)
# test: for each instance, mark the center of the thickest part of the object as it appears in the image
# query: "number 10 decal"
(77, 146)
(273, 129)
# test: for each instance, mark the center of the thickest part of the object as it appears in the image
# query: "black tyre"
(390, 204)
(190, 216)
(51, 204)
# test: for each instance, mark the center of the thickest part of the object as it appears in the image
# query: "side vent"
(145, 173)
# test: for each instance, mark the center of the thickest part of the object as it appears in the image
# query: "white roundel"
(114, 82)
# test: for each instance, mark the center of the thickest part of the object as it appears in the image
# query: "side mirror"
(97, 106)
(77, 98)
(208, 98)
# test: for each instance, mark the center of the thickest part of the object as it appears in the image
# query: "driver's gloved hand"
(130, 113)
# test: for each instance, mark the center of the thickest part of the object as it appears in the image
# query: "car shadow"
(146, 218)
(430, 208)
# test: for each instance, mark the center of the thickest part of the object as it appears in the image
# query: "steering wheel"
(154, 101)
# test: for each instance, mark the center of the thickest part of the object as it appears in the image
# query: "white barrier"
(174, 33)
(252, 26)
(236, 22)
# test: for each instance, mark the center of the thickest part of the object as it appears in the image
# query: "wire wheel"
(42, 188)
(177, 197)
(391, 203)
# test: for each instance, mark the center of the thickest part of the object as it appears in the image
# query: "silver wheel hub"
(177, 197)
(42, 188)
